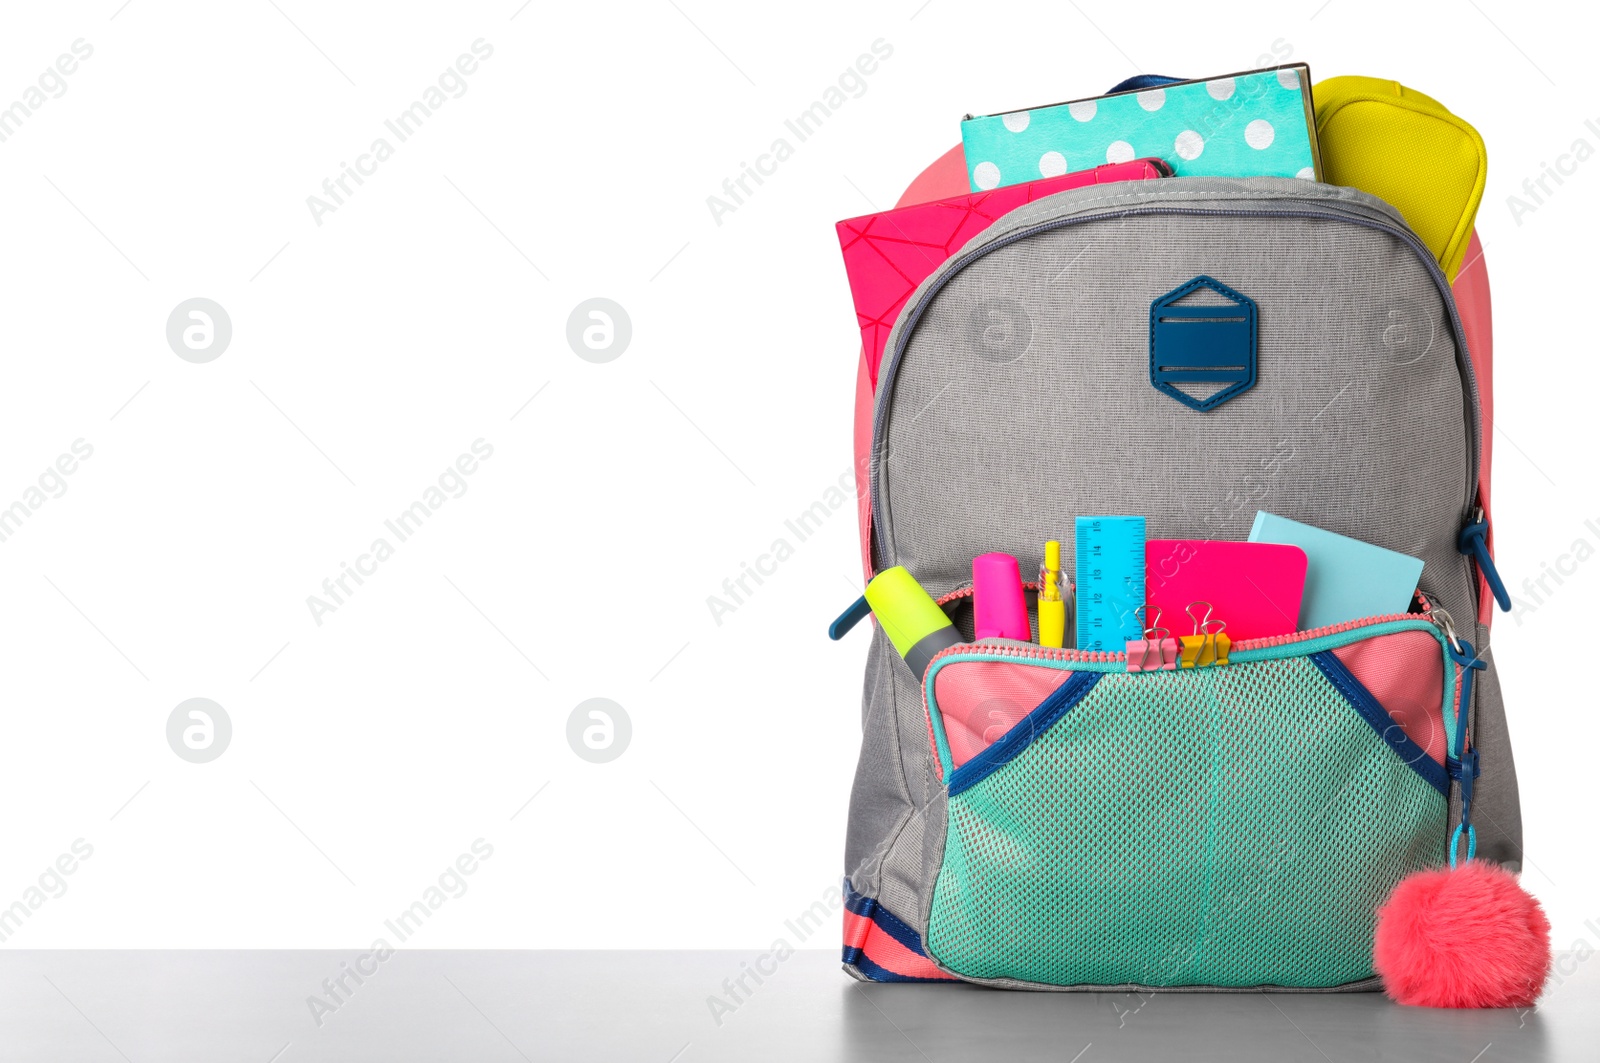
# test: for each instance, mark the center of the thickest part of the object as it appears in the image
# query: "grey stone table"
(674, 1007)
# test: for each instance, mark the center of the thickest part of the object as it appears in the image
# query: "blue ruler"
(1108, 560)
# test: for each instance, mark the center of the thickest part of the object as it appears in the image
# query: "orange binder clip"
(1208, 646)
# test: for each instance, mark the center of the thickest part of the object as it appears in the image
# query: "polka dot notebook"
(1255, 124)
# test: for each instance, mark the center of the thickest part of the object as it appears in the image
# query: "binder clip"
(1208, 645)
(1156, 652)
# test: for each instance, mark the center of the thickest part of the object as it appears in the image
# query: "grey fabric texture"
(998, 445)
(1016, 396)
(912, 860)
(897, 805)
(879, 801)
(1496, 806)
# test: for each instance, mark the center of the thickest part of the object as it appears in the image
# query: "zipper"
(964, 590)
(1315, 640)
(1435, 615)
(1440, 621)
(886, 380)
(859, 610)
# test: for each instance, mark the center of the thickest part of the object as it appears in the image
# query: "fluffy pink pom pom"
(1471, 937)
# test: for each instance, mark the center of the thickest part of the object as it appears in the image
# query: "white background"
(368, 352)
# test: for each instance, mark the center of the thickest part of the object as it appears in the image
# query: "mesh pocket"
(1233, 826)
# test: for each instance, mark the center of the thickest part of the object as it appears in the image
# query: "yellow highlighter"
(914, 622)
(1052, 607)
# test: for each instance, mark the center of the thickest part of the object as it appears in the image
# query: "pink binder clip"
(1156, 652)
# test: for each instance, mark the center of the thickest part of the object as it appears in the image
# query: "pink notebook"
(1254, 587)
(887, 255)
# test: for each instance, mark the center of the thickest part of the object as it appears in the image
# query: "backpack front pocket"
(1226, 826)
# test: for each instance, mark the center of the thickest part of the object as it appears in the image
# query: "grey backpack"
(1222, 828)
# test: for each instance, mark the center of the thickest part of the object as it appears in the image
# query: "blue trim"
(883, 974)
(891, 924)
(1367, 707)
(887, 921)
(1141, 81)
(1027, 731)
(1208, 348)
(849, 618)
(1474, 542)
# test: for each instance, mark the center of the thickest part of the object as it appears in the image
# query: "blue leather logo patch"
(1203, 334)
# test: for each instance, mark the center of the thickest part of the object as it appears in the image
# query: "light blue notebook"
(1346, 579)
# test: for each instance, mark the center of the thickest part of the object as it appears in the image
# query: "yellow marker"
(1052, 609)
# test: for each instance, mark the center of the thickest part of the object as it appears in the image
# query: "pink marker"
(999, 609)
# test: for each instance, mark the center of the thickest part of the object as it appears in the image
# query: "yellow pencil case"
(1409, 150)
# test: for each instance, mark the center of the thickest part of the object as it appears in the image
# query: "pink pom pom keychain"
(1466, 936)
(1462, 937)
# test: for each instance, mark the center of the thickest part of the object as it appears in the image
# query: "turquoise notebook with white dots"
(1256, 124)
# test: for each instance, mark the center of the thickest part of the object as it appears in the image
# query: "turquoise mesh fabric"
(1232, 826)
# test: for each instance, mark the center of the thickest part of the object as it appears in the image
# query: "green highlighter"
(913, 621)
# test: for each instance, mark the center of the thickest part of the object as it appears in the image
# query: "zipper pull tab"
(1460, 650)
(1474, 541)
(1465, 772)
(849, 618)
(1447, 627)
(1434, 614)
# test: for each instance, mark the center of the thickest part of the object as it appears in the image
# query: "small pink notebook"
(1254, 587)
(887, 255)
